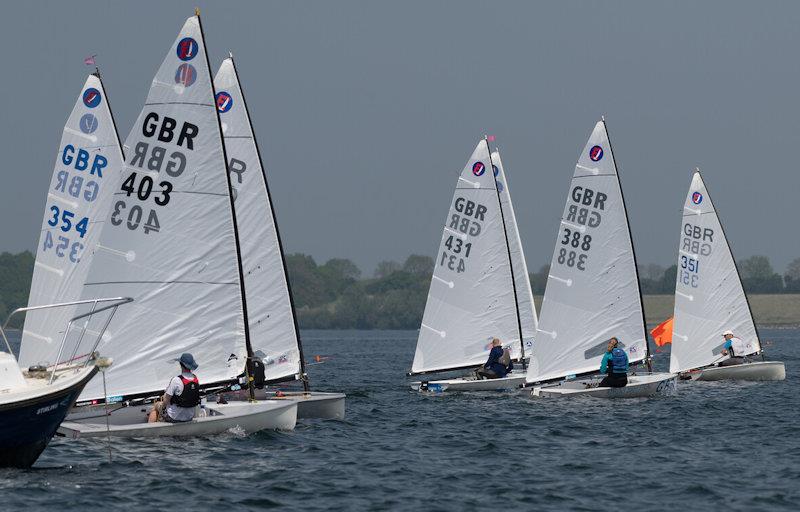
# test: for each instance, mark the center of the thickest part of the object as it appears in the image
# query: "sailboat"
(270, 307)
(592, 291)
(171, 243)
(38, 389)
(710, 299)
(474, 292)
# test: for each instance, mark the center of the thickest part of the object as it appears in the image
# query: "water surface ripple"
(723, 445)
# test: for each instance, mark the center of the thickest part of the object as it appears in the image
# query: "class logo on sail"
(496, 170)
(224, 102)
(88, 124)
(596, 153)
(478, 168)
(185, 75)
(187, 49)
(91, 97)
(697, 198)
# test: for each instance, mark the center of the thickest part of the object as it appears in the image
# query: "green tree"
(417, 264)
(758, 276)
(386, 268)
(792, 276)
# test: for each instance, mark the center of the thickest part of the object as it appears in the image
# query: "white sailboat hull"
(757, 370)
(639, 386)
(311, 405)
(510, 381)
(241, 416)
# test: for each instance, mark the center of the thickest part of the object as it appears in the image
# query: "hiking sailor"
(182, 395)
(499, 363)
(734, 347)
(615, 365)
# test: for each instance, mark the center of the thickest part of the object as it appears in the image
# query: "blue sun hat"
(187, 361)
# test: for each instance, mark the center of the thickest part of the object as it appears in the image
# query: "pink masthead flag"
(89, 61)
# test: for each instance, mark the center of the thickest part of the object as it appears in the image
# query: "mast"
(735, 265)
(648, 362)
(248, 346)
(303, 375)
(510, 263)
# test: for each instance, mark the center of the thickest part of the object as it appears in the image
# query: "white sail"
(88, 162)
(525, 304)
(709, 297)
(470, 300)
(592, 290)
(269, 307)
(170, 238)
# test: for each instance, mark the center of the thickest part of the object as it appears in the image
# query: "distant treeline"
(335, 295)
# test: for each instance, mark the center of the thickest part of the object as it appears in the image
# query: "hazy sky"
(365, 111)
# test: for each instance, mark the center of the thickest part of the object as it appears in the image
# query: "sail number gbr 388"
(583, 212)
(466, 221)
(142, 190)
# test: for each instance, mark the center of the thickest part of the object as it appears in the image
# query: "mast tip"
(197, 11)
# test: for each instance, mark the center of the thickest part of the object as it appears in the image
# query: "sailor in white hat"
(733, 347)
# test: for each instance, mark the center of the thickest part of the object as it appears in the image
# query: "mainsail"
(170, 242)
(88, 162)
(709, 297)
(525, 304)
(471, 299)
(273, 326)
(592, 289)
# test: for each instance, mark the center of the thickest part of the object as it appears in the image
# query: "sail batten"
(592, 291)
(709, 296)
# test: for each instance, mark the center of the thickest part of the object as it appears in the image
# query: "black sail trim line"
(633, 249)
(304, 377)
(113, 121)
(242, 294)
(735, 265)
(508, 251)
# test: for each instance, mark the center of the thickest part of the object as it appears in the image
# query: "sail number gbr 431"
(465, 221)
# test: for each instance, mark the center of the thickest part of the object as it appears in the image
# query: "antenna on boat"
(648, 356)
(510, 262)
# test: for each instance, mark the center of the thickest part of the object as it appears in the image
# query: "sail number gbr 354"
(146, 192)
(464, 223)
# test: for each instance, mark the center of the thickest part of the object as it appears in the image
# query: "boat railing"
(97, 306)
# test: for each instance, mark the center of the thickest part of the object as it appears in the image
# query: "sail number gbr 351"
(466, 221)
(151, 193)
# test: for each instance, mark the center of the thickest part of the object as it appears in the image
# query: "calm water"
(713, 446)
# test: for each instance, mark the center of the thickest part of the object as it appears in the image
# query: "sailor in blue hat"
(181, 397)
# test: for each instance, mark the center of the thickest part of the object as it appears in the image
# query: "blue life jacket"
(619, 361)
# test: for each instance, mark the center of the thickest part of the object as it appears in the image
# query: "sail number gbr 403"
(465, 222)
(142, 188)
(584, 212)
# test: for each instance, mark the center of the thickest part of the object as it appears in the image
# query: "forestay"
(269, 308)
(88, 161)
(709, 298)
(471, 298)
(592, 289)
(170, 241)
(525, 304)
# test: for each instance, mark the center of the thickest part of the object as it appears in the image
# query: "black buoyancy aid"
(190, 396)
